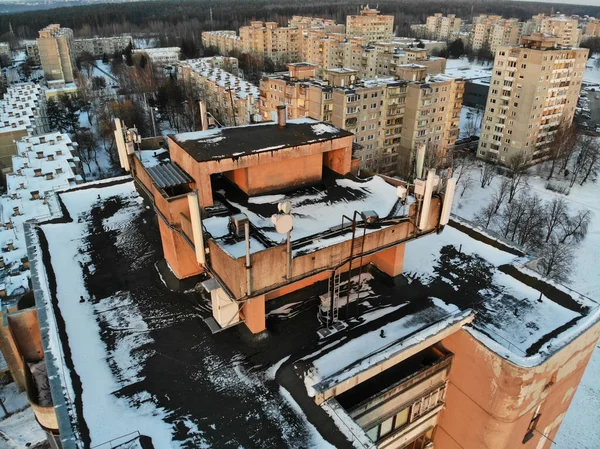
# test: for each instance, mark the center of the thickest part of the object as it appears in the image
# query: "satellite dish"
(283, 223)
(285, 207)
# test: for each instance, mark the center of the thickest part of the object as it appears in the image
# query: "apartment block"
(441, 27)
(564, 28)
(32, 51)
(534, 89)
(22, 114)
(592, 28)
(493, 31)
(370, 25)
(314, 23)
(225, 41)
(229, 98)
(389, 117)
(162, 56)
(55, 46)
(100, 46)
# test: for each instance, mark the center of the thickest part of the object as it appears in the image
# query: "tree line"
(173, 20)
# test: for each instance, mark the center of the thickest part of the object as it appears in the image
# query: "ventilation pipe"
(448, 197)
(427, 200)
(281, 116)
(197, 234)
(121, 147)
(420, 160)
(203, 116)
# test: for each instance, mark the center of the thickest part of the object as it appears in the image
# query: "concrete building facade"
(229, 98)
(441, 27)
(55, 46)
(99, 46)
(389, 117)
(564, 28)
(370, 25)
(534, 89)
(493, 31)
(592, 28)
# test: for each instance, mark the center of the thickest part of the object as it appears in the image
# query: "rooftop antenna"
(211, 17)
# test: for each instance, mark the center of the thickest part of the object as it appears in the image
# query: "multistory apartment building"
(363, 310)
(441, 27)
(327, 25)
(492, 31)
(563, 27)
(592, 28)
(534, 88)
(370, 60)
(389, 117)
(22, 114)
(272, 41)
(229, 98)
(370, 25)
(99, 46)
(55, 46)
(32, 51)
(162, 56)
(225, 41)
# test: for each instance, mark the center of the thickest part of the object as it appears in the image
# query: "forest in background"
(176, 21)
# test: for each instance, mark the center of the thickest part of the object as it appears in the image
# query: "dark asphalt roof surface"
(244, 140)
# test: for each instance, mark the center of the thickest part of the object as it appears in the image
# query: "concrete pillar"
(391, 260)
(254, 314)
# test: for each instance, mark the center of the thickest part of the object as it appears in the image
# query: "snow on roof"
(19, 107)
(38, 170)
(204, 67)
(111, 368)
(236, 141)
(518, 314)
(151, 158)
(316, 211)
(370, 349)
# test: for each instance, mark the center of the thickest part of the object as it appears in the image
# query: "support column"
(391, 260)
(254, 314)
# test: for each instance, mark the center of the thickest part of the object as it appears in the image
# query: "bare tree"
(588, 160)
(501, 194)
(557, 212)
(462, 163)
(486, 215)
(531, 223)
(556, 260)
(561, 146)
(487, 175)
(466, 183)
(517, 168)
(574, 229)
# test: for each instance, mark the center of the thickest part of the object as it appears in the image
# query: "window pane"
(372, 433)
(386, 426)
(401, 418)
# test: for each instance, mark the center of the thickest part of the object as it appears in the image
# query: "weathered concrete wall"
(491, 401)
(269, 267)
(340, 162)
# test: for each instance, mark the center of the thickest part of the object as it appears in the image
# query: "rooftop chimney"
(281, 116)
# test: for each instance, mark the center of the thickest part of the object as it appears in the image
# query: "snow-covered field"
(578, 429)
(18, 430)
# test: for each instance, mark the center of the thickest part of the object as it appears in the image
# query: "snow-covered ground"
(20, 429)
(585, 280)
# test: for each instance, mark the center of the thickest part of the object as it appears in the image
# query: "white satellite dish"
(283, 223)
(285, 207)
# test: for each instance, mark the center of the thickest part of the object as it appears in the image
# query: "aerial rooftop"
(223, 143)
(146, 328)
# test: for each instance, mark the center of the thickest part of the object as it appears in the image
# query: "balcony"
(401, 404)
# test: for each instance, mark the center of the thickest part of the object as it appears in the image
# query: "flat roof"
(154, 357)
(231, 142)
